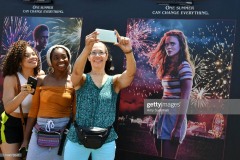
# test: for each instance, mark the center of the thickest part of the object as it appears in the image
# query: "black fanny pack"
(92, 137)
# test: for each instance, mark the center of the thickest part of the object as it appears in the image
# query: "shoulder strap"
(20, 106)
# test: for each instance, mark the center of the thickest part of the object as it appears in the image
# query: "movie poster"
(41, 33)
(211, 45)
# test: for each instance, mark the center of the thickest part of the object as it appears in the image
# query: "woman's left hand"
(124, 43)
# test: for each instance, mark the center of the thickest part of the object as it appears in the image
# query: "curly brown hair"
(11, 62)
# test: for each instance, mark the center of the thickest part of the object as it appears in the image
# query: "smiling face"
(98, 56)
(30, 58)
(59, 59)
(172, 46)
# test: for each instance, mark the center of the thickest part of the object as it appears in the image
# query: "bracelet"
(128, 52)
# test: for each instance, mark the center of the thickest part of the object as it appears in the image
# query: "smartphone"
(33, 82)
(23, 152)
(106, 35)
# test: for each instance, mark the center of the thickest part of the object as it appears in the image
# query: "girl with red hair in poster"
(171, 58)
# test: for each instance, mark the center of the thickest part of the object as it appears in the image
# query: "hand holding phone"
(32, 83)
(106, 35)
(23, 152)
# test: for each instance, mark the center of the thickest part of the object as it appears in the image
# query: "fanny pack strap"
(64, 135)
(76, 125)
(20, 106)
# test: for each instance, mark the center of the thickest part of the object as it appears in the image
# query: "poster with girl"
(205, 50)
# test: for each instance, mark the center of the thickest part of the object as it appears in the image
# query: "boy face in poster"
(42, 41)
(40, 36)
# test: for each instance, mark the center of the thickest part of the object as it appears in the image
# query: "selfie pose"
(96, 94)
(175, 70)
(20, 62)
(51, 108)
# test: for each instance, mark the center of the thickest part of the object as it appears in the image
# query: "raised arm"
(78, 76)
(124, 80)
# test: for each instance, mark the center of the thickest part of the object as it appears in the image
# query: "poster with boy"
(41, 33)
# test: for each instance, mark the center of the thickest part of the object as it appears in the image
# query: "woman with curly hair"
(20, 62)
(171, 59)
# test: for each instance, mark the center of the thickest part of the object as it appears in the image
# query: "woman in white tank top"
(21, 61)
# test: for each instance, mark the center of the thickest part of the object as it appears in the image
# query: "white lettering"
(170, 12)
(35, 11)
(156, 12)
(25, 11)
(170, 7)
(35, 7)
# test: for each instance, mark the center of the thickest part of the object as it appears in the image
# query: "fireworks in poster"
(64, 31)
(211, 45)
(61, 30)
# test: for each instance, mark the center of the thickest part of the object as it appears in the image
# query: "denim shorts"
(11, 129)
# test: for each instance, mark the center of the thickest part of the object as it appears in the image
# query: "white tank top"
(27, 102)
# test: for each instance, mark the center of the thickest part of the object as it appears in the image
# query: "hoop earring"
(50, 69)
(69, 68)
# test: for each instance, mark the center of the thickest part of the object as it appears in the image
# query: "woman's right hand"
(23, 150)
(26, 89)
(24, 144)
(91, 39)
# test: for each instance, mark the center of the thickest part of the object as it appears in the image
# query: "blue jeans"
(79, 152)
